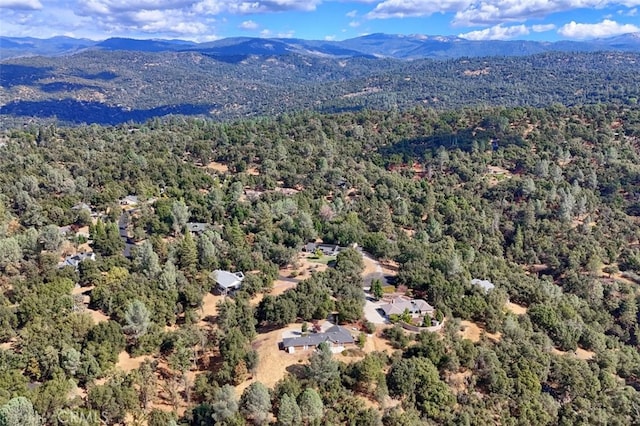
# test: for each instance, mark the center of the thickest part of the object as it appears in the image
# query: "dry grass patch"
(515, 308)
(458, 382)
(273, 363)
(8, 345)
(280, 286)
(127, 364)
(302, 267)
(97, 316)
(579, 353)
(472, 331)
(496, 174)
(209, 307)
(218, 167)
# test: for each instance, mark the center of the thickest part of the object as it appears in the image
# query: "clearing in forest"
(218, 167)
(472, 331)
(515, 308)
(579, 353)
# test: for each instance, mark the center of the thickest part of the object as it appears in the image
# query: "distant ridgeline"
(121, 80)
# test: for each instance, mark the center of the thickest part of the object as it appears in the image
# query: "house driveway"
(372, 271)
(371, 312)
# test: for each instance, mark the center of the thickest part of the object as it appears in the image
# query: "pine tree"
(19, 411)
(289, 413)
(188, 252)
(255, 403)
(311, 406)
(137, 319)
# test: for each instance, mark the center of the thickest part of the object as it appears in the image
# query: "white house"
(227, 282)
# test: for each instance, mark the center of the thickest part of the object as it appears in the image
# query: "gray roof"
(130, 199)
(414, 306)
(325, 248)
(76, 259)
(197, 226)
(486, 285)
(336, 334)
(227, 280)
(81, 206)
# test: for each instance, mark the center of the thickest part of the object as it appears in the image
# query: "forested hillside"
(112, 87)
(541, 203)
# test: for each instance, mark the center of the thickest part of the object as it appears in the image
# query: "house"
(129, 200)
(75, 260)
(84, 206)
(81, 206)
(197, 227)
(227, 282)
(326, 249)
(483, 284)
(336, 337)
(65, 230)
(415, 307)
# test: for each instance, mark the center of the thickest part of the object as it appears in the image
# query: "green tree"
(179, 216)
(50, 238)
(289, 413)
(376, 288)
(19, 412)
(224, 404)
(188, 252)
(137, 319)
(70, 360)
(322, 368)
(255, 403)
(147, 261)
(311, 406)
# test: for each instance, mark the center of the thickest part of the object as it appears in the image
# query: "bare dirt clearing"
(96, 316)
(127, 364)
(209, 307)
(515, 308)
(273, 363)
(218, 167)
(496, 174)
(472, 331)
(579, 353)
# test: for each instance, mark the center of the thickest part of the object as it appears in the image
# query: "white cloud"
(606, 28)
(488, 12)
(123, 6)
(415, 8)
(266, 6)
(543, 28)
(249, 25)
(352, 14)
(266, 33)
(354, 24)
(21, 4)
(497, 32)
(329, 38)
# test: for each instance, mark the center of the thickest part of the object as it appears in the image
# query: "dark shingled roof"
(336, 334)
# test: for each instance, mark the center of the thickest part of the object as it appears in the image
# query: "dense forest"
(541, 202)
(114, 87)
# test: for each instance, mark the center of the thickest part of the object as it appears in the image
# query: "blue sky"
(204, 20)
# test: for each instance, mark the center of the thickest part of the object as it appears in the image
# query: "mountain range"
(118, 80)
(373, 45)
